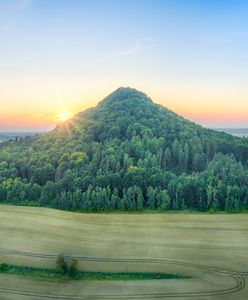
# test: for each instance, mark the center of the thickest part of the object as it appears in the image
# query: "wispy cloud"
(19, 4)
(8, 11)
(11, 6)
(139, 45)
(118, 54)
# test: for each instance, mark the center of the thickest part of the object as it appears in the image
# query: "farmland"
(209, 249)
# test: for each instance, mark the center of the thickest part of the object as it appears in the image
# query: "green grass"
(132, 212)
(130, 276)
(38, 273)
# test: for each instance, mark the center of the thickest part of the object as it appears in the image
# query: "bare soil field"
(211, 248)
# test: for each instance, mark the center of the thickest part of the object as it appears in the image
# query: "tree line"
(127, 154)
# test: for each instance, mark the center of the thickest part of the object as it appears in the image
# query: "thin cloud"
(118, 54)
(141, 44)
(15, 5)
(22, 3)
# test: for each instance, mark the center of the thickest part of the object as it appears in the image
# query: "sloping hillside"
(128, 154)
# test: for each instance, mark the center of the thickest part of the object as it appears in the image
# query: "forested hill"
(127, 154)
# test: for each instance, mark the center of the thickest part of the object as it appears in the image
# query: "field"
(210, 248)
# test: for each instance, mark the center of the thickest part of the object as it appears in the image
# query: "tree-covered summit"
(127, 153)
(124, 94)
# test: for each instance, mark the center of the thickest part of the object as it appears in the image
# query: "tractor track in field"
(126, 243)
(238, 279)
(107, 224)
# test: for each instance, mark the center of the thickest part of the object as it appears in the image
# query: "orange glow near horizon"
(207, 109)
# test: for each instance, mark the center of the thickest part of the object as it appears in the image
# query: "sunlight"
(63, 116)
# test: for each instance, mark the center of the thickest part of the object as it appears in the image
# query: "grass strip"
(51, 274)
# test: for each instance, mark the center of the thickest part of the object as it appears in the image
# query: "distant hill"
(6, 136)
(240, 132)
(127, 153)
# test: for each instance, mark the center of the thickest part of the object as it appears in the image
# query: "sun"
(63, 116)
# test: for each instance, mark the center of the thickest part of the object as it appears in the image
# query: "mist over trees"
(127, 154)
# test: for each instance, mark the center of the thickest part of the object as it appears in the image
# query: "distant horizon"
(44, 131)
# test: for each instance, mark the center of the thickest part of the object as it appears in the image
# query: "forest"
(127, 154)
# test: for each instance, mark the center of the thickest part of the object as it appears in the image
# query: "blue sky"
(56, 56)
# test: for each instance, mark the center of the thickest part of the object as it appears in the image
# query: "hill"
(127, 153)
(5, 136)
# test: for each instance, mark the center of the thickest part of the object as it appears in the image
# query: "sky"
(60, 57)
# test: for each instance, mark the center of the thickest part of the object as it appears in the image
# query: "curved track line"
(239, 283)
(127, 243)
